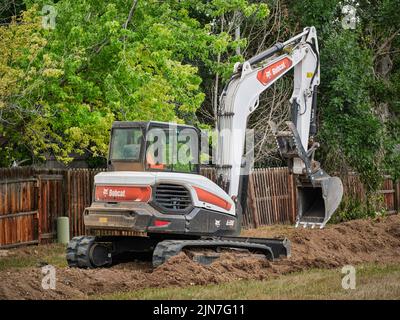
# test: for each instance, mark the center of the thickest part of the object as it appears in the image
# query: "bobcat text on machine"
(144, 204)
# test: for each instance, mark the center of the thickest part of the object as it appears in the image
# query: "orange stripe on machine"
(123, 193)
(208, 197)
(272, 71)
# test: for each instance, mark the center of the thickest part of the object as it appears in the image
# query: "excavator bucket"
(318, 201)
(318, 194)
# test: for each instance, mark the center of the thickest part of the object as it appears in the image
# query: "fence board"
(17, 210)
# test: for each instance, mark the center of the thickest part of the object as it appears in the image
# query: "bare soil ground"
(355, 242)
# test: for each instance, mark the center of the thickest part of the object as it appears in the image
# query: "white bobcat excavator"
(148, 202)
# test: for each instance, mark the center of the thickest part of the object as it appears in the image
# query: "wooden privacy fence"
(353, 188)
(32, 199)
(29, 202)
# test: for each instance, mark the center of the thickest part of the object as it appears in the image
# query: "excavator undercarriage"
(137, 228)
(94, 252)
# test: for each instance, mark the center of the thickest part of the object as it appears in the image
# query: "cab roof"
(146, 124)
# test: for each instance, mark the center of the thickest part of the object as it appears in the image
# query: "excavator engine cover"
(317, 201)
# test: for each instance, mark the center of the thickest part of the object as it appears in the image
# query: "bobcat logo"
(230, 223)
(217, 223)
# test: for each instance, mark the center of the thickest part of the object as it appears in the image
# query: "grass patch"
(33, 256)
(372, 282)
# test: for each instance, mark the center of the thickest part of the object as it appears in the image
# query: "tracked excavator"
(147, 202)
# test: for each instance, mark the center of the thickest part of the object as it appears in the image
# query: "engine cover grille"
(172, 197)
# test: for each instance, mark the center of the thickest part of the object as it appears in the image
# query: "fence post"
(397, 196)
(39, 207)
(253, 202)
(292, 192)
(67, 201)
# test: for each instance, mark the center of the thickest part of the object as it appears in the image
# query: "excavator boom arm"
(241, 97)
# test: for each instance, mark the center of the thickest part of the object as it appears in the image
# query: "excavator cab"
(154, 146)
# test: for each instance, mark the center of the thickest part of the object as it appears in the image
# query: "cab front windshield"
(167, 148)
(172, 149)
(126, 144)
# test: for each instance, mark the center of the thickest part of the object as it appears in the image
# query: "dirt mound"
(347, 243)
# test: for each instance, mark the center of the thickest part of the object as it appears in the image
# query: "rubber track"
(169, 248)
(78, 252)
(71, 256)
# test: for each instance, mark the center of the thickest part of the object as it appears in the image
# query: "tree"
(113, 60)
(358, 98)
(20, 78)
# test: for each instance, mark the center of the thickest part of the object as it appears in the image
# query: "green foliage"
(321, 14)
(98, 65)
(350, 209)
(349, 124)
(20, 78)
(353, 208)
(354, 133)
